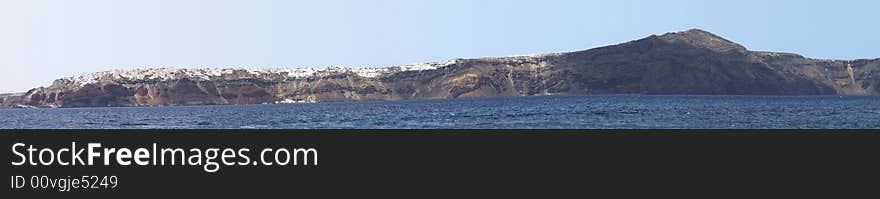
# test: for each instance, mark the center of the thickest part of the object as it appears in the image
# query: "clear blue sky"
(41, 40)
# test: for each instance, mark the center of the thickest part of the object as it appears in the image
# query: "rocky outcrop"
(10, 99)
(688, 62)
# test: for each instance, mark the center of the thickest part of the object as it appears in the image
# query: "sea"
(538, 112)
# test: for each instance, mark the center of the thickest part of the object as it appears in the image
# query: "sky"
(42, 40)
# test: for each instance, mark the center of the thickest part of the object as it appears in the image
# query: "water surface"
(570, 111)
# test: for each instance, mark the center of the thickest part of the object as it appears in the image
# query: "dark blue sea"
(566, 112)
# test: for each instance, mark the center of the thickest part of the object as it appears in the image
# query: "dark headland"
(687, 62)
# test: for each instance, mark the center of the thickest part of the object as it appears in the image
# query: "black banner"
(462, 163)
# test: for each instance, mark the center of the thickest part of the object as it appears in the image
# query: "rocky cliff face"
(688, 62)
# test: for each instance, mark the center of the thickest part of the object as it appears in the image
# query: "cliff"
(688, 62)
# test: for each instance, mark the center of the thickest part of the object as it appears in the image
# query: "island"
(692, 62)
